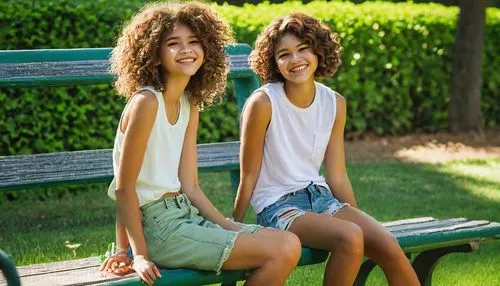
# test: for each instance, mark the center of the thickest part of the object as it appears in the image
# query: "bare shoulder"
(259, 100)
(340, 99)
(144, 100)
(341, 103)
(141, 111)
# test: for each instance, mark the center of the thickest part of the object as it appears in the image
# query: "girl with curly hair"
(289, 127)
(170, 62)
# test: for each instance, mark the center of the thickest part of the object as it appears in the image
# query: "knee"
(290, 248)
(351, 240)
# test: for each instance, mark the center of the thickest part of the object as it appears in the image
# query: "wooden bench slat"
(86, 272)
(94, 166)
(63, 67)
(408, 221)
(443, 226)
(448, 236)
(67, 265)
(424, 225)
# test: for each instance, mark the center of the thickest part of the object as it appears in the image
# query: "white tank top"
(159, 170)
(295, 144)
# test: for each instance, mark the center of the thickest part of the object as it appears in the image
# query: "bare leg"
(381, 247)
(342, 238)
(273, 253)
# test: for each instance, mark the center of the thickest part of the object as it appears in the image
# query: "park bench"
(425, 240)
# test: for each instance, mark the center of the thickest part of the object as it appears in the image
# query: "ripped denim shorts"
(313, 198)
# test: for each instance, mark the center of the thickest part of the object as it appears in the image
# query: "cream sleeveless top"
(294, 145)
(159, 170)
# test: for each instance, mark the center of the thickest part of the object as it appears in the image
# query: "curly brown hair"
(135, 57)
(324, 42)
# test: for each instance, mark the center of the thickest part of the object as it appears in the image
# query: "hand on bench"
(118, 264)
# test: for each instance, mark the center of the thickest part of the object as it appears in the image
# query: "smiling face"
(181, 52)
(295, 59)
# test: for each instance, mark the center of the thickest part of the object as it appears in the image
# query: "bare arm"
(188, 176)
(141, 117)
(255, 119)
(122, 242)
(336, 173)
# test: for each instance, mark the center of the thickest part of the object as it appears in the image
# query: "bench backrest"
(67, 67)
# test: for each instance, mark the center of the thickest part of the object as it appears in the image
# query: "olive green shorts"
(178, 237)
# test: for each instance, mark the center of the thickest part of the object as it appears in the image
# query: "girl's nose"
(294, 57)
(185, 49)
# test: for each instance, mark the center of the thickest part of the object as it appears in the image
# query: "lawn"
(35, 231)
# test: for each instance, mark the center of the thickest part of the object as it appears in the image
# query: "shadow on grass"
(390, 191)
(34, 231)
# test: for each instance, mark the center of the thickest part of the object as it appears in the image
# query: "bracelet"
(122, 251)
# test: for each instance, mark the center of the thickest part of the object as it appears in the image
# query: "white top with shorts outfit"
(176, 235)
(160, 168)
(294, 145)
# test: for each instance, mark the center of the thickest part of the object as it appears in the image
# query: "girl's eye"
(194, 42)
(171, 44)
(282, 56)
(304, 48)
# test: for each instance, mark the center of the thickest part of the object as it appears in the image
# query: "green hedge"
(397, 60)
(395, 74)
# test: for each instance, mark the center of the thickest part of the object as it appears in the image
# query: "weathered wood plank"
(64, 67)
(85, 271)
(71, 272)
(408, 221)
(445, 227)
(425, 225)
(92, 166)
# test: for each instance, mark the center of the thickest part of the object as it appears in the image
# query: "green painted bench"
(425, 240)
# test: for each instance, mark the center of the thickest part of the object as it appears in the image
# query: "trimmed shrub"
(395, 75)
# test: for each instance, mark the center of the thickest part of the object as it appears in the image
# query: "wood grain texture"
(422, 230)
(93, 166)
(36, 68)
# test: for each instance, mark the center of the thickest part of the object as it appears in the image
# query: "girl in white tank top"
(289, 127)
(169, 61)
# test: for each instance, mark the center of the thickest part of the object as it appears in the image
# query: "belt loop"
(179, 200)
(165, 203)
(310, 187)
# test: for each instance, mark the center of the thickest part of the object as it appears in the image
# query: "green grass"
(35, 231)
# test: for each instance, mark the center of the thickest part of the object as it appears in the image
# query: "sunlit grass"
(35, 231)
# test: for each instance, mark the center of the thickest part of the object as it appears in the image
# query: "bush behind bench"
(395, 75)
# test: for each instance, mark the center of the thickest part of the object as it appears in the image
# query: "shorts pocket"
(324, 191)
(320, 143)
(164, 217)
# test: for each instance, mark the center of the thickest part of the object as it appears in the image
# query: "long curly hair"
(324, 42)
(135, 57)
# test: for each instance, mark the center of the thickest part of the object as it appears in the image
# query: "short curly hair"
(135, 57)
(324, 42)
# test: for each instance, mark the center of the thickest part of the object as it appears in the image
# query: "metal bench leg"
(364, 271)
(9, 270)
(426, 261)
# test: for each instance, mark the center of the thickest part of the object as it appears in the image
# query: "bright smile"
(298, 68)
(186, 60)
